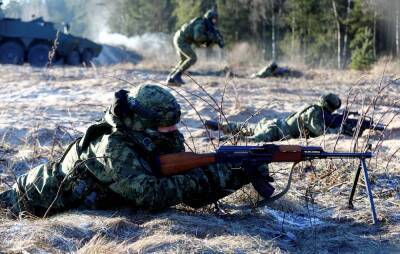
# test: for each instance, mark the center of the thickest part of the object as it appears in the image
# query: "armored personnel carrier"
(39, 43)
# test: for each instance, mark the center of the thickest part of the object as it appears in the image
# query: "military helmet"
(151, 106)
(273, 66)
(211, 14)
(330, 101)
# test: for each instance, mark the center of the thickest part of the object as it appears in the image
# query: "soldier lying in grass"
(115, 164)
(312, 121)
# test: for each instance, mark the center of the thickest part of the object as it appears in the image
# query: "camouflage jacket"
(311, 122)
(197, 32)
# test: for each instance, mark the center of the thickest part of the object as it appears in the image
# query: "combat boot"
(178, 78)
(9, 203)
(175, 80)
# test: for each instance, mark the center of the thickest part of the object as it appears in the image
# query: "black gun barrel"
(354, 113)
(378, 127)
(212, 125)
(310, 152)
(333, 155)
(307, 152)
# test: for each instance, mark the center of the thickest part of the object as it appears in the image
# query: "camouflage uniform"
(114, 164)
(267, 71)
(195, 32)
(272, 70)
(312, 121)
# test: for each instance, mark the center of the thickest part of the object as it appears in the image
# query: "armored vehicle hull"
(38, 43)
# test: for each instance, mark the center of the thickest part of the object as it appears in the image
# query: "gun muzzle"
(211, 125)
(378, 127)
(354, 113)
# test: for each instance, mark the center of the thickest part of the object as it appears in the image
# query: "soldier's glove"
(259, 178)
(221, 43)
(348, 130)
(208, 43)
(120, 106)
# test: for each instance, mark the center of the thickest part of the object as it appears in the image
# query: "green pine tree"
(362, 54)
(188, 9)
(234, 20)
(131, 17)
(313, 24)
(362, 41)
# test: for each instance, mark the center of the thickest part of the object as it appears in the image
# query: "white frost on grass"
(291, 219)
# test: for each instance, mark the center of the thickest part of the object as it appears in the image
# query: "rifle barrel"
(378, 127)
(333, 155)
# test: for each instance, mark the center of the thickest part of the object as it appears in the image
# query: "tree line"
(334, 33)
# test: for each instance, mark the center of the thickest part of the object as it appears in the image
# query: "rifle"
(250, 158)
(218, 37)
(351, 123)
(281, 71)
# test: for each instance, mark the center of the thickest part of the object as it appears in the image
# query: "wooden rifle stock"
(177, 163)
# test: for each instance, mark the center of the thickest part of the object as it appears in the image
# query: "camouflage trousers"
(34, 191)
(264, 131)
(45, 189)
(186, 54)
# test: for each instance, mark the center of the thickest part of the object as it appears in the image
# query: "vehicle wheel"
(73, 58)
(11, 53)
(87, 57)
(38, 55)
(59, 61)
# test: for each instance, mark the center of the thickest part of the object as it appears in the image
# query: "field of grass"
(41, 111)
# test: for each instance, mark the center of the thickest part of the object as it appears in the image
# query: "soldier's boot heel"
(178, 78)
(172, 82)
(175, 80)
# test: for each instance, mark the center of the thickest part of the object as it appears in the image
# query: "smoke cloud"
(155, 46)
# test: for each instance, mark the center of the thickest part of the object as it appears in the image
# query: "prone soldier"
(312, 121)
(115, 163)
(273, 70)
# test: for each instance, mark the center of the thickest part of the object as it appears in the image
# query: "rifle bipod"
(363, 166)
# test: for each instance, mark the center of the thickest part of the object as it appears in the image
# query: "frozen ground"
(42, 110)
